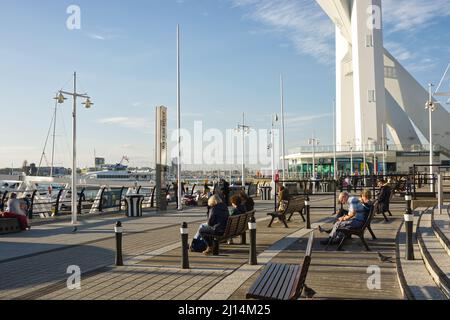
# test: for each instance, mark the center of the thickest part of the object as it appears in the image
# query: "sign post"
(161, 157)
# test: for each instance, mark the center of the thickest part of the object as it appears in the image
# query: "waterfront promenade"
(34, 264)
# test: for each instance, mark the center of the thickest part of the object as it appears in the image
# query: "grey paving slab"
(416, 275)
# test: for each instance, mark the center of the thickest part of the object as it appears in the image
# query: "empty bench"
(236, 226)
(282, 281)
(9, 225)
(295, 204)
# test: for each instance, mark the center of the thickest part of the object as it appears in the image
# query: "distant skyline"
(233, 52)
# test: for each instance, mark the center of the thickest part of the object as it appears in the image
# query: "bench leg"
(244, 238)
(216, 247)
(371, 233)
(271, 222)
(302, 215)
(364, 242)
(341, 245)
(290, 217)
(284, 222)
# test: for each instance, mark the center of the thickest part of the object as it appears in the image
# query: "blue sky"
(232, 54)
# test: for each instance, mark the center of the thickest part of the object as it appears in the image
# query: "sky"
(232, 55)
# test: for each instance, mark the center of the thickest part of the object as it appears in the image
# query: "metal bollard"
(440, 193)
(409, 223)
(119, 231)
(308, 212)
(184, 246)
(253, 260)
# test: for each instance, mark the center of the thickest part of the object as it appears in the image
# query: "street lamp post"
(243, 129)
(314, 142)
(272, 149)
(431, 106)
(87, 104)
(350, 144)
(283, 143)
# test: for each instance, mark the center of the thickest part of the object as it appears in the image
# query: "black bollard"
(308, 212)
(119, 231)
(184, 246)
(409, 223)
(252, 227)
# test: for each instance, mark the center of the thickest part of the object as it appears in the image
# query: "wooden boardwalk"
(155, 273)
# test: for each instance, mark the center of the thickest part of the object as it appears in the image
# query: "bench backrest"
(300, 279)
(237, 225)
(371, 215)
(294, 204)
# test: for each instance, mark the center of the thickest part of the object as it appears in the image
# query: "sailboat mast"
(54, 135)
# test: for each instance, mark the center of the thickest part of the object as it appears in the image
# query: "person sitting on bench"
(358, 212)
(217, 222)
(237, 207)
(17, 209)
(247, 201)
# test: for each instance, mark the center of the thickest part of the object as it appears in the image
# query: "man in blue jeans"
(357, 215)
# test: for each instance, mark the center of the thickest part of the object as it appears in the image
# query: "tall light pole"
(350, 144)
(314, 142)
(243, 129)
(384, 140)
(335, 167)
(431, 106)
(272, 150)
(283, 145)
(179, 193)
(87, 104)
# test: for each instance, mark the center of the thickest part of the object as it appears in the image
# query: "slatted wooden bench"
(236, 226)
(9, 225)
(282, 281)
(295, 204)
(360, 232)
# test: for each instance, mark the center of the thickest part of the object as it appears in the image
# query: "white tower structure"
(373, 90)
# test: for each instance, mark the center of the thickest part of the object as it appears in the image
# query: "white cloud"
(296, 120)
(301, 21)
(128, 122)
(407, 15)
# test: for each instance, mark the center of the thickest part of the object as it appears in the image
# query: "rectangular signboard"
(161, 136)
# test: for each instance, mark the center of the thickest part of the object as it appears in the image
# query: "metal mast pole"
(74, 152)
(430, 113)
(180, 207)
(334, 141)
(243, 151)
(283, 146)
(54, 134)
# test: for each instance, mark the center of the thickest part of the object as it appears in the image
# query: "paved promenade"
(33, 265)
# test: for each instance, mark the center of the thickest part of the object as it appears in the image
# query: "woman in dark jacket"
(247, 201)
(217, 222)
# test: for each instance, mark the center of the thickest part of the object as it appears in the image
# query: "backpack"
(198, 245)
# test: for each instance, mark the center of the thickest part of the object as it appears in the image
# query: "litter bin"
(265, 193)
(134, 203)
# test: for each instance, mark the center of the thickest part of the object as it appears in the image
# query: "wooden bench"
(360, 232)
(9, 225)
(282, 281)
(236, 226)
(295, 204)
